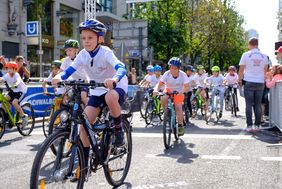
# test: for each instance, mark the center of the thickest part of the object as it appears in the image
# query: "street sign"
(31, 28)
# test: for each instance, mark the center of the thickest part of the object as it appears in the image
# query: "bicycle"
(185, 109)
(69, 162)
(215, 106)
(169, 122)
(127, 107)
(231, 101)
(10, 119)
(49, 111)
(144, 102)
(198, 102)
(153, 109)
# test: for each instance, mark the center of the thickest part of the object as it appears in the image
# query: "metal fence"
(275, 108)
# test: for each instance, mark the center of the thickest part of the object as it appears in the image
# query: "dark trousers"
(253, 96)
(188, 100)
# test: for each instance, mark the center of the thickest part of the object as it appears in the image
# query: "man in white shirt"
(253, 67)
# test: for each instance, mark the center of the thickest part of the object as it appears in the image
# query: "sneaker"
(237, 109)
(24, 120)
(220, 114)
(256, 128)
(119, 137)
(248, 129)
(181, 131)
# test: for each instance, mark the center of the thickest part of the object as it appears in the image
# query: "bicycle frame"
(170, 106)
(6, 108)
(157, 104)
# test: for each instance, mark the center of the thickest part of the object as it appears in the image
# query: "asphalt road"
(210, 156)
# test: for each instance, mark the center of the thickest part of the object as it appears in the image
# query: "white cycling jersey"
(174, 84)
(153, 80)
(99, 68)
(11, 81)
(58, 90)
(78, 75)
(200, 80)
(231, 79)
(216, 82)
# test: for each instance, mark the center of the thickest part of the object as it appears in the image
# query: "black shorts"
(99, 101)
(15, 95)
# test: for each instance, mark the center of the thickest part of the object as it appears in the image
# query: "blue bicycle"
(169, 123)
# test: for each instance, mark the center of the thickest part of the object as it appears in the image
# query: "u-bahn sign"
(31, 28)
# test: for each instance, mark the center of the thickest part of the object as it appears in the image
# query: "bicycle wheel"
(2, 123)
(119, 162)
(49, 170)
(194, 107)
(58, 119)
(49, 111)
(234, 107)
(149, 112)
(27, 129)
(185, 114)
(143, 107)
(167, 128)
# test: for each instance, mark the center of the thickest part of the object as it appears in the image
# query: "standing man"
(253, 67)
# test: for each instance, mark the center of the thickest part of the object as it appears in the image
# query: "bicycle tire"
(143, 107)
(36, 182)
(108, 171)
(234, 104)
(149, 112)
(26, 130)
(55, 121)
(2, 123)
(186, 115)
(194, 107)
(167, 128)
(48, 112)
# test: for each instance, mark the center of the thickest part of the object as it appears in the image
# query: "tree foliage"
(207, 32)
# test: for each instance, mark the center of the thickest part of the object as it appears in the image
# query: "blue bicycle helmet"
(174, 61)
(94, 25)
(150, 68)
(189, 68)
(157, 68)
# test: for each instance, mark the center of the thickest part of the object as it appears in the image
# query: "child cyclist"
(174, 80)
(216, 81)
(153, 80)
(150, 71)
(71, 47)
(55, 65)
(200, 78)
(18, 89)
(231, 80)
(101, 65)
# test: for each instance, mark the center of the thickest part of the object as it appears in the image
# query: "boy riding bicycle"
(101, 65)
(231, 80)
(174, 80)
(71, 47)
(18, 88)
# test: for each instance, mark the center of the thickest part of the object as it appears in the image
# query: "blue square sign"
(31, 28)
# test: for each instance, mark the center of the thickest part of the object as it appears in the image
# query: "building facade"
(59, 20)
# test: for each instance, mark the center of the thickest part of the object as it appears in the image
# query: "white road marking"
(271, 158)
(231, 146)
(221, 157)
(196, 136)
(162, 185)
(187, 135)
(162, 156)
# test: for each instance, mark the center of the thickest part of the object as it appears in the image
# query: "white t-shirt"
(78, 74)
(99, 68)
(192, 81)
(216, 82)
(200, 80)
(153, 80)
(11, 81)
(231, 80)
(174, 84)
(58, 90)
(255, 62)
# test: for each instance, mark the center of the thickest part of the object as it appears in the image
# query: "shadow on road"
(125, 185)
(181, 152)
(34, 147)
(10, 141)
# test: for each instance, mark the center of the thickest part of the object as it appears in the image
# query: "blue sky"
(261, 15)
